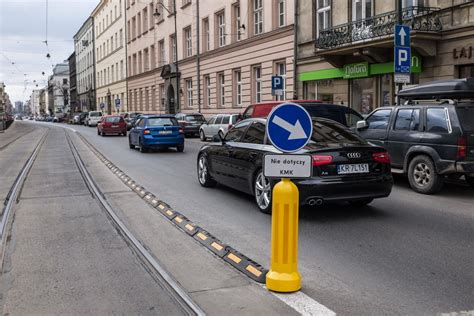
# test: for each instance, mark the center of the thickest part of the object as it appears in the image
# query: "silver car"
(218, 125)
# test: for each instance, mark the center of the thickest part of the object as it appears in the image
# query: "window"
(139, 24)
(171, 5)
(121, 37)
(379, 119)
(218, 120)
(129, 30)
(188, 45)
(140, 62)
(162, 96)
(361, 9)
(134, 66)
(150, 12)
(207, 89)
(159, 7)
(257, 78)
(152, 57)
(225, 119)
(323, 14)
(407, 120)
(281, 71)
(161, 47)
(258, 17)
(147, 100)
(145, 20)
(146, 59)
(207, 36)
(189, 93)
(437, 120)
(255, 134)
(173, 48)
(212, 120)
(134, 28)
(221, 29)
(236, 133)
(237, 88)
(281, 13)
(113, 74)
(236, 25)
(221, 82)
(116, 41)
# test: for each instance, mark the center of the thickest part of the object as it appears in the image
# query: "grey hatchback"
(428, 140)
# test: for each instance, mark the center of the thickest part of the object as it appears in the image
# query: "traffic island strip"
(242, 263)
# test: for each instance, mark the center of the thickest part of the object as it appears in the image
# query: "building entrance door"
(170, 100)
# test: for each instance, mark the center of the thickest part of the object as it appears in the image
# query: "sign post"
(277, 85)
(117, 104)
(289, 128)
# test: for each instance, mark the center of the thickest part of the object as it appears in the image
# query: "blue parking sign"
(277, 85)
(402, 59)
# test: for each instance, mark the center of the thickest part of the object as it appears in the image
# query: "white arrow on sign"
(402, 36)
(296, 131)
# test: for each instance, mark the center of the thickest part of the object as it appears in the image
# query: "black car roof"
(442, 89)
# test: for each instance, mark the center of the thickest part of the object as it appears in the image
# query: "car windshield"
(194, 118)
(113, 119)
(466, 117)
(95, 114)
(332, 134)
(162, 121)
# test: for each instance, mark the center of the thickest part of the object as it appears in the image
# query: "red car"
(112, 124)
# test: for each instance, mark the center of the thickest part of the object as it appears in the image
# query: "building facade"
(345, 47)
(44, 102)
(72, 84)
(84, 48)
(110, 56)
(35, 102)
(58, 90)
(226, 53)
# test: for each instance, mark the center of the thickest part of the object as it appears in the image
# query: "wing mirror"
(362, 125)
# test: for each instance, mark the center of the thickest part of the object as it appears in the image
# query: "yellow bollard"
(283, 275)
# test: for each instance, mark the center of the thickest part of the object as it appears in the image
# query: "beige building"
(227, 51)
(110, 56)
(345, 47)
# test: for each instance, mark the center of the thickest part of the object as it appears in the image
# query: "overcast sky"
(22, 36)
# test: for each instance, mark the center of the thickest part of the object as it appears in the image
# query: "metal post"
(177, 58)
(399, 21)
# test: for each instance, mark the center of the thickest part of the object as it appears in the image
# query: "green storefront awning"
(374, 69)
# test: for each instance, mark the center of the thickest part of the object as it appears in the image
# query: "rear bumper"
(451, 167)
(465, 167)
(337, 189)
(114, 130)
(191, 129)
(151, 141)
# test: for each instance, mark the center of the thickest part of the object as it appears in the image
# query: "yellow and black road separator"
(211, 242)
(245, 265)
(241, 262)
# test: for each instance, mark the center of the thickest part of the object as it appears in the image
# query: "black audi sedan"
(345, 166)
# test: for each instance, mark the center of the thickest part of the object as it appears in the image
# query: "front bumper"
(337, 189)
(151, 141)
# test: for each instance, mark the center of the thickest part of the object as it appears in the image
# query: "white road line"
(462, 313)
(303, 304)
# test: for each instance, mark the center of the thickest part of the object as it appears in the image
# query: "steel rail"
(169, 283)
(15, 139)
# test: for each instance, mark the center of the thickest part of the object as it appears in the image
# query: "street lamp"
(157, 14)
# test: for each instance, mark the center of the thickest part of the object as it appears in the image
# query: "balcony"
(422, 19)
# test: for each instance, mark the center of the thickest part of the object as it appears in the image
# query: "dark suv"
(428, 140)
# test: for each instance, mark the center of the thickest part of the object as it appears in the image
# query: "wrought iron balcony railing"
(418, 18)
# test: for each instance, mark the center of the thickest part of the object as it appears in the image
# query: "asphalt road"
(406, 254)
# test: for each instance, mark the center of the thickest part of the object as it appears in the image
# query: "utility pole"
(178, 79)
(400, 22)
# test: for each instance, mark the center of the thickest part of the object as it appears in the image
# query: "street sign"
(277, 85)
(402, 59)
(402, 36)
(402, 78)
(289, 127)
(102, 105)
(287, 166)
(117, 103)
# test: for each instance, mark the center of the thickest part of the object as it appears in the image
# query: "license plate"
(165, 132)
(114, 126)
(353, 168)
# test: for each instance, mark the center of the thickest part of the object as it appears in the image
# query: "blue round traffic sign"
(289, 127)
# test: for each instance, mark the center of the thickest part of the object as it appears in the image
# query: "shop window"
(466, 71)
(363, 91)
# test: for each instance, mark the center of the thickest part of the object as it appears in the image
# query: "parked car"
(428, 141)
(190, 122)
(129, 118)
(112, 124)
(339, 113)
(156, 131)
(218, 124)
(345, 166)
(18, 118)
(93, 118)
(79, 118)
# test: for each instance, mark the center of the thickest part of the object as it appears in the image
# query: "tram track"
(2, 147)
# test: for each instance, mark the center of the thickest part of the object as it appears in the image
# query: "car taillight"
(321, 160)
(181, 130)
(461, 152)
(147, 132)
(382, 157)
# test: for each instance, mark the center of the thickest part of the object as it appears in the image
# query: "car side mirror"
(362, 125)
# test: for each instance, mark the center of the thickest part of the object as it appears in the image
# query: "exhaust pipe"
(314, 201)
(311, 202)
(319, 202)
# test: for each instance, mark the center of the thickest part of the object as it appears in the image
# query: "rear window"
(162, 121)
(436, 120)
(466, 117)
(113, 119)
(234, 119)
(95, 114)
(194, 118)
(326, 133)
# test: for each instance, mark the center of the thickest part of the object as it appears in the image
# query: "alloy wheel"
(262, 191)
(422, 174)
(202, 170)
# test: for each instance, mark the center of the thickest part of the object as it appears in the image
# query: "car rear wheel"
(143, 148)
(202, 136)
(180, 148)
(423, 177)
(470, 181)
(203, 173)
(263, 193)
(360, 203)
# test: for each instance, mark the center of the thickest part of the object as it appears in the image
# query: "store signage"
(358, 70)
(465, 52)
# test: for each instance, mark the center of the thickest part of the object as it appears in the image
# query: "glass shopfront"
(322, 90)
(372, 92)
